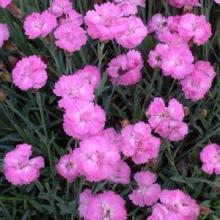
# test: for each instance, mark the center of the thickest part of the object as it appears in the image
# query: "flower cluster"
(4, 34)
(108, 22)
(30, 73)
(175, 204)
(18, 168)
(5, 3)
(210, 156)
(106, 205)
(167, 121)
(175, 59)
(126, 68)
(147, 192)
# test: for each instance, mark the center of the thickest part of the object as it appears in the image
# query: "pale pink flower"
(139, 143)
(83, 119)
(125, 69)
(72, 16)
(97, 159)
(210, 157)
(4, 34)
(73, 88)
(127, 7)
(30, 73)
(60, 7)
(67, 166)
(18, 168)
(92, 74)
(39, 25)
(5, 3)
(147, 192)
(196, 28)
(121, 174)
(134, 34)
(198, 83)
(70, 37)
(157, 23)
(85, 199)
(105, 22)
(167, 121)
(182, 3)
(106, 205)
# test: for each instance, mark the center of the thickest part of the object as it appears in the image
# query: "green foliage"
(34, 117)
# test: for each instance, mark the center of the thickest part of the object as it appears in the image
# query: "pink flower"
(18, 168)
(196, 28)
(67, 167)
(107, 205)
(105, 22)
(97, 159)
(127, 7)
(157, 23)
(121, 174)
(30, 73)
(134, 33)
(85, 199)
(70, 37)
(210, 157)
(60, 7)
(83, 119)
(5, 3)
(167, 121)
(217, 1)
(198, 83)
(126, 68)
(182, 3)
(139, 143)
(39, 25)
(72, 16)
(4, 34)
(73, 88)
(91, 74)
(147, 192)
(177, 62)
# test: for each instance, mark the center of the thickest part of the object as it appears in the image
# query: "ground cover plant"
(110, 109)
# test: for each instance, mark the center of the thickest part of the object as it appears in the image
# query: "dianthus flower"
(157, 23)
(60, 7)
(73, 88)
(97, 159)
(210, 156)
(67, 166)
(182, 3)
(147, 192)
(134, 33)
(195, 28)
(106, 205)
(125, 69)
(39, 25)
(177, 62)
(127, 7)
(175, 205)
(197, 84)
(91, 74)
(18, 168)
(105, 22)
(70, 37)
(83, 119)
(5, 3)
(73, 17)
(139, 143)
(167, 121)
(4, 34)
(30, 73)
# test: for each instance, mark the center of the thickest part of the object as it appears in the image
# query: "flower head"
(4, 34)
(5, 3)
(60, 7)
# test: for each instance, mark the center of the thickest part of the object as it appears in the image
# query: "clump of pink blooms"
(67, 166)
(167, 121)
(182, 3)
(5, 3)
(210, 157)
(175, 204)
(18, 168)
(30, 73)
(126, 68)
(4, 34)
(147, 192)
(106, 205)
(139, 143)
(39, 24)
